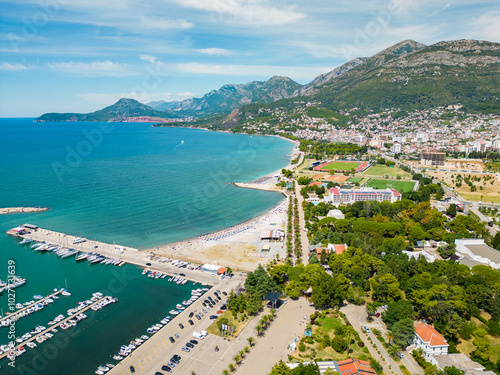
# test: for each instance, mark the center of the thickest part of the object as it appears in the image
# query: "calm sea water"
(128, 183)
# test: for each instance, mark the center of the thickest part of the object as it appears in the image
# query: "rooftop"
(429, 335)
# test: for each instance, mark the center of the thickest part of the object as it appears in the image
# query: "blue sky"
(82, 55)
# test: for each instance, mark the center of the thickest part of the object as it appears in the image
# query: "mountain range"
(407, 75)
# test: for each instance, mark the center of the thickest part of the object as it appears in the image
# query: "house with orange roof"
(331, 248)
(354, 367)
(429, 340)
(346, 367)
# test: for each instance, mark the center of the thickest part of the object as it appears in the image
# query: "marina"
(95, 304)
(16, 315)
(96, 252)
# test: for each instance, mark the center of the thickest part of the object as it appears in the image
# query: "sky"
(83, 55)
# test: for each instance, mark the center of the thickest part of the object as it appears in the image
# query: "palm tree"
(394, 350)
(246, 349)
(251, 341)
(258, 328)
(225, 372)
(265, 319)
(231, 367)
(390, 336)
(242, 353)
(237, 358)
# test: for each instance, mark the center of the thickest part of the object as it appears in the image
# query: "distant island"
(18, 210)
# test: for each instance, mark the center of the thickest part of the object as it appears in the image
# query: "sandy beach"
(238, 247)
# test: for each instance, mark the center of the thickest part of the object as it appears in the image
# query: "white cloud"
(294, 72)
(148, 58)
(108, 99)
(164, 23)
(94, 68)
(215, 51)
(254, 12)
(13, 67)
(486, 26)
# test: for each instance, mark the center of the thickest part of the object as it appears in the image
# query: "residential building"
(346, 367)
(429, 340)
(433, 158)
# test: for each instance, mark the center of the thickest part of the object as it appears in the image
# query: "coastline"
(237, 245)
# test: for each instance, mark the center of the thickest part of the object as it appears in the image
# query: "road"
(357, 317)
(303, 234)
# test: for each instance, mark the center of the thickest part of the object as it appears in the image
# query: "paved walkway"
(273, 346)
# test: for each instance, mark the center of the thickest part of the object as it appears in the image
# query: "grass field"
(214, 329)
(340, 166)
(382, 170)
(355, 179)
(399, 185)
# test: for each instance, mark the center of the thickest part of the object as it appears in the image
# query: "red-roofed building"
(331, 248)
(429, 340)
(339, 196)
(354, 367)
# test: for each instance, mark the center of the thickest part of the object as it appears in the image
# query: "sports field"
(399, 185)
(340, 166)
(383, 170)
(355, 179)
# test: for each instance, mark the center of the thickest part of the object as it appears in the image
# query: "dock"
(9, 316)
(33, 338)
(124, 253)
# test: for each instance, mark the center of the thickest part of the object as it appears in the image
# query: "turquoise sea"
(127, 183)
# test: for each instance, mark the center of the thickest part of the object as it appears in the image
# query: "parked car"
(181, 326)
(191, 314)
(189, 345)
(190, 322)
(377, 315)
(224, 293)
(132, 369)
(171, 339)
(166, 368)
(185, 349)
(198, 317)
(213, 316)
(193, 341)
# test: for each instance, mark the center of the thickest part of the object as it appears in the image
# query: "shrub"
(302, 347)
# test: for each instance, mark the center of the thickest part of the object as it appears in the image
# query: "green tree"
(251, 341)
(394, 350)
(231, 367)
(482, 344)
(280, 368)
(310, 369)
(496, 241)
(451, 370)
(452, 210)
(404, 332)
